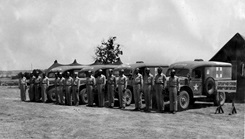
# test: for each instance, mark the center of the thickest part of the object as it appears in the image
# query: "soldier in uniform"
(148, 84)
(22, 86)
(122, 85)
(100, 84)
(160, 83)
(37, 87)
(68, 84)
(75, 89)
(62, 89)
(44, 86)
(56, 85)
(111, 85)
(31, 89)
(137, 86)
(173, 87)
(90, 83)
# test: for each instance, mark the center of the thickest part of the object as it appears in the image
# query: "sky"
(34, 33)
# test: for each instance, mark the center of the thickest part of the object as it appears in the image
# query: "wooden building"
(234, 52)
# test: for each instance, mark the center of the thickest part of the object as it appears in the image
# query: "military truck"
(203, 80)
(51, 76)
(129, 71)
(82, 76)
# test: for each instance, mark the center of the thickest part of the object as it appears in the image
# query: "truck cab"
(199, 79)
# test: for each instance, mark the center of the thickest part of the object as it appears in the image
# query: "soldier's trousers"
(62, 95)
(31, 93)
(148, 96)
(90, 95)
(101, 95)
(23, 92)
(43, 92)
(159, 97)
(122, 98)
(37, 93)
(173, 98)
(110, 92)
(68, 96)
(75, 95)
(57, 99)
(137, 96)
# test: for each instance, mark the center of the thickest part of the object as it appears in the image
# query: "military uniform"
(100, 84)
(45, 84)
(75, 90)
(56, 85)
(31, 89)
(90, 83)
(138, 83)
(173, 86)
(37, 89)
(122, 85)
(160, 81)
(148, 84)
(111, 84)
(61, 90)
(23, 86)
(68, 84)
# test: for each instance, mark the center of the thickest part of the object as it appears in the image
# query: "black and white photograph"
(122, 69)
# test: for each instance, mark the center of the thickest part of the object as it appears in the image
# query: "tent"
(234, 52)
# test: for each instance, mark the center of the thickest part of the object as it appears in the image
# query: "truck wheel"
(219, 99)
(210, 86)
(51, 95)
(83, 96)
(128, 96)
(183, 100)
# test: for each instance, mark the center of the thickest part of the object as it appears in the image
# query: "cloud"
(38, 32)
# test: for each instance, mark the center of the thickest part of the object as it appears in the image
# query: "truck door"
(196, 82)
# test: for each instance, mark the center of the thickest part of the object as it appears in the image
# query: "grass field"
(24, 120)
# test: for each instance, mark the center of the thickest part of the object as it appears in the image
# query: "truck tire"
(51, 95)
(128, 96)
(209, 86)
(183, 100)
(219, 98)
(83, 96)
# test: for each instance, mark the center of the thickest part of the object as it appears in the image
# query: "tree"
(108, 52)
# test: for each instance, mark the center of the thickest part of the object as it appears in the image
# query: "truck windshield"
(179, 72)
(82, 74)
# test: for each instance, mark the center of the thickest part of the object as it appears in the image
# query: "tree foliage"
(108, 52)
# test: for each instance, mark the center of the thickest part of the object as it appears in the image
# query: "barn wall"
(240, 97)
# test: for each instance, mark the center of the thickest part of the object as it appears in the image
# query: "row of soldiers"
(67, 89)
(37, 89)
(140, 84)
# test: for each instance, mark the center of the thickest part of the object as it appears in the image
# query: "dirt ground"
(46, 120)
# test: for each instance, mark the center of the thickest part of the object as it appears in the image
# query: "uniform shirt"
(62, 81)
(76, 81)
(138, 79)
(173, 81)
(45, 81)
(148, 79)
(32, 80)
(111, 80)
(38, 80)
(90, 80)
(23, 81)
(160, 79)
(68, 81)
(122, 80)
(101, 79)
